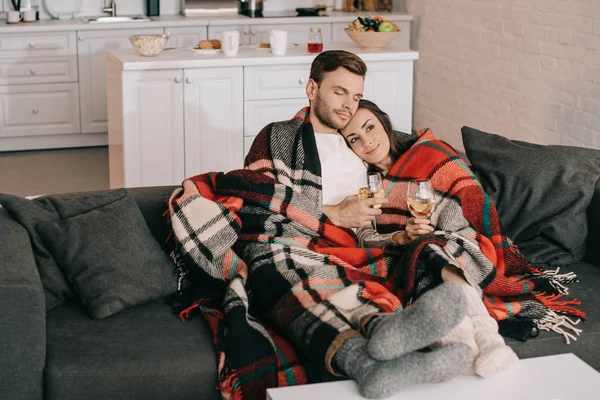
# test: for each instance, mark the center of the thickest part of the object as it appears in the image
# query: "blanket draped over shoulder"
(280, 281)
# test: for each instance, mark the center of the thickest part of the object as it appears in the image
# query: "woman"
(371, 136)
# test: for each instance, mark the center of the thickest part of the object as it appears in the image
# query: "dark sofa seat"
(586, 345)
(144, 352)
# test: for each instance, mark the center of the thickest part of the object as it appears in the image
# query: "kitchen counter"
(247, 55)
(78, 24)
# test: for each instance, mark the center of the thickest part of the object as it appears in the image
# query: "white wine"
(420, 208)
(380, 194)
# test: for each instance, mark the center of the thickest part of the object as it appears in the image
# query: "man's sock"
(421, 324)
(380, 379)
(462, 333)
(494, 355)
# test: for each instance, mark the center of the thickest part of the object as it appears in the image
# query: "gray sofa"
(146, 352)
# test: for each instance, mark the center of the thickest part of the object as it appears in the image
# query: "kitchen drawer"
(53, 70)
(276, 82)
(31, 110)
(46, 44)
(258, 114)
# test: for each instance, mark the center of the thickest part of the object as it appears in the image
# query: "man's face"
(335, 100)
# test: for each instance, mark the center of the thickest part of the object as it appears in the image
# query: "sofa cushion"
(110, 257)
(586, 345)
(48, 208)
(593, 239)
(144, 352)
(541, 192)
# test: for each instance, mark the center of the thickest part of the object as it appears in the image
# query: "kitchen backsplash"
(67, 8)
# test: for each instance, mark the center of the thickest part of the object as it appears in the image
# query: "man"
(334, 89)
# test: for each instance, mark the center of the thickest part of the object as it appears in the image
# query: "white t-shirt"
(342, 171)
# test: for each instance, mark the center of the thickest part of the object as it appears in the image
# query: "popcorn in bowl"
(148, 45)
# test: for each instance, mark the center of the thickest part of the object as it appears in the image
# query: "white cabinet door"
(185, 36)
(91, 46)
(297, 33)
(214, 118)
(214, 32)
(258, 114)
(153, 139)
(390, 85)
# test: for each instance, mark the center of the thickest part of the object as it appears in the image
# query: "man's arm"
(354, 213)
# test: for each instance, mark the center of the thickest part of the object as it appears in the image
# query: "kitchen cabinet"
(168, 123)
(180, 37)
(182, 122)
(214, 114)
(91, 55)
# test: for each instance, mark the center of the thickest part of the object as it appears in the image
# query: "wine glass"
(420, 198)
(375, 187)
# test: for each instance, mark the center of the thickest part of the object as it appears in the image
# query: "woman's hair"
(329, 61)
(399, 141)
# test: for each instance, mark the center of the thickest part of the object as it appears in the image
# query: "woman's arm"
(368, 237)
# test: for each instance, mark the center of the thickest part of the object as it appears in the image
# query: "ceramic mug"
(278, 42)
(13, 17)
(29, 16)
(230, 42)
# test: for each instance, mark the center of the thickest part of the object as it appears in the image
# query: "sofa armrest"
(593, 237)
(22, 315)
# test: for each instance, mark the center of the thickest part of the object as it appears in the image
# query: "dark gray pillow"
(541, 192)
(110, 257)
(45, 209)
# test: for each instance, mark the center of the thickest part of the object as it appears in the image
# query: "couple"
(288, 292)
(342, 120)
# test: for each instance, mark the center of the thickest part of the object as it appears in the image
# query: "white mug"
(230, 42)
(278, 42)
(13, 17)
(29, 16)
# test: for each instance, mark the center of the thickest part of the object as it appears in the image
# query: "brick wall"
(524, 69)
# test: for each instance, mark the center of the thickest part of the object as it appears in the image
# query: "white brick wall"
(524, 69)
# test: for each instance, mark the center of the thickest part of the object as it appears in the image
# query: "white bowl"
(148, 45)
(372, 40)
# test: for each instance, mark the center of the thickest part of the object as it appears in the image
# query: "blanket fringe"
(558, 281)
(231, 388)
(560, 324)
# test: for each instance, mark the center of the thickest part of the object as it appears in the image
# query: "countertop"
(78, 24)
(247, 55)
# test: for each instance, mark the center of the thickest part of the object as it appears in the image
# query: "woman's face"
(368, 139)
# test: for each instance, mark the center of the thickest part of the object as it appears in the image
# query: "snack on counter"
(211, 44)
(265, 45)
(372, 24)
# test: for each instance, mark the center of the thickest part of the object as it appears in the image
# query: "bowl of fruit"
(372, 32)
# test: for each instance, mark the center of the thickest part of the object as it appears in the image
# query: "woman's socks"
(494, 355)
(380, 379)
(423, 323)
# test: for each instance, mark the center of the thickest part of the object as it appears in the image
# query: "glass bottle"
(315, 40)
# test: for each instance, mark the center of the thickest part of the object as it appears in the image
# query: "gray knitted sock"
(380, 379)
(421, 324)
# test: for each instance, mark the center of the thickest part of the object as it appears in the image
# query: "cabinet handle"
(31, 45)
(252, 32)
(245, 32)
(33, 71)
(302, 81)
(178, 79)
(189, 79)
(35, 111)
(80, 37)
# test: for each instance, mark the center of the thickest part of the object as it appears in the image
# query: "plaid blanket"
(279, 281)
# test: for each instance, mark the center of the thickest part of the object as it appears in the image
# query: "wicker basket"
(372, 40)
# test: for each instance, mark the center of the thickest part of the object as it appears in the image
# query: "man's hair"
(331, 60)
